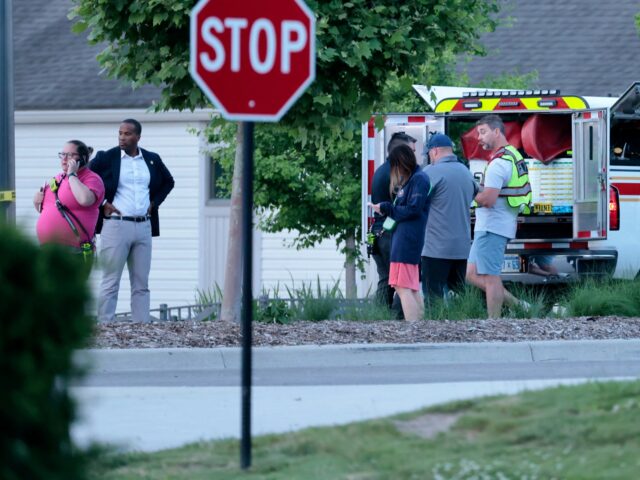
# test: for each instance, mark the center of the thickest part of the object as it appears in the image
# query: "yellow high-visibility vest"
(518, 190)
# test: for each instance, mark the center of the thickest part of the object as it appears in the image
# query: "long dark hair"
(402, 161)
(84, 151)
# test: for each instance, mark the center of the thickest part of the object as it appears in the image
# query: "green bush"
(318, 307)
(43, 300)
(270, 308)
(272, 311)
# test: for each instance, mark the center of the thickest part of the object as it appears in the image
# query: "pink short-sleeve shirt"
(53, 228)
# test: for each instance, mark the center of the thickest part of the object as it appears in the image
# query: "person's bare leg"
(473, 278)
(480, 281)
(494, 292)
(409, 305)
(509, 298)
(417, 296)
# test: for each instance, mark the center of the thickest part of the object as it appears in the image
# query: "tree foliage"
(360, 43)
(368, 54)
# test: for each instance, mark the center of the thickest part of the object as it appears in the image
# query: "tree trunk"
(232, 292)
(350, 267)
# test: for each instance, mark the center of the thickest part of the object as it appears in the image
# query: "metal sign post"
(247, 291)
(7, 162)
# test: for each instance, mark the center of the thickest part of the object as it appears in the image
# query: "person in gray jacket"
(448, 232)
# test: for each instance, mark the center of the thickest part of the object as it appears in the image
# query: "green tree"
(307, 166)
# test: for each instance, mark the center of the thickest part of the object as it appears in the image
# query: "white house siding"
(275, 263)
(282, 264)
(175, 263)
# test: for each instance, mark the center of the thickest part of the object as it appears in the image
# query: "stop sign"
(252, 58)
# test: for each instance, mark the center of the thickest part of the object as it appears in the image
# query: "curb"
(359, 355)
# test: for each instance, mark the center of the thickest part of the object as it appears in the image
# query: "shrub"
(318, 307)
(206, 299)
(43, 300)
(271, 310)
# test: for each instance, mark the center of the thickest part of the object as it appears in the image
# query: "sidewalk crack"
(224, 363)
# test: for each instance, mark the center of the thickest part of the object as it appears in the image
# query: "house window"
(215, 172)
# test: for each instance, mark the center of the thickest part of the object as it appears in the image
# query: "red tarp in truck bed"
(473, 151)
(544, 137)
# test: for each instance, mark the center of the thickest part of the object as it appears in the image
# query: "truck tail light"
(614, 209)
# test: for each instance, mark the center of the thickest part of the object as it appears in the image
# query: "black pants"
(438, 273)
(382, 257)
(385, 294)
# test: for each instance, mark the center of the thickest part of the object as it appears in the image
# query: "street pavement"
(152, 399)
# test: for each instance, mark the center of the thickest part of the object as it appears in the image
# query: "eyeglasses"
(62, 155)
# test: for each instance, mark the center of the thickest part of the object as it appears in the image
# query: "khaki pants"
(125, 242)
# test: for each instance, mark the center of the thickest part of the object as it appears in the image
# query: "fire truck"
(583, 156)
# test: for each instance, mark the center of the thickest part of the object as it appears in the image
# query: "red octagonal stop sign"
(252, 58)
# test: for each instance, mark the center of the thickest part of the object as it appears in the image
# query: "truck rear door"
(589, 181)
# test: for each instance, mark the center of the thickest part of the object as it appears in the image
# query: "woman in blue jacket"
(409, 210)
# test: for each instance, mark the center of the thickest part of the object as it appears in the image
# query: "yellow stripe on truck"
(528, 103)
(575, 103)
(489, 104)
(531, 103)
(446, 105)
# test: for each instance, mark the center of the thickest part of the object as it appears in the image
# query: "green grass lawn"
(590, 431)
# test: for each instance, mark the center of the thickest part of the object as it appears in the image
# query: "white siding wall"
(282, 264)
(174, 269)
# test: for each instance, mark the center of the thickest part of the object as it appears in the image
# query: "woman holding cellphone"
(409, 214)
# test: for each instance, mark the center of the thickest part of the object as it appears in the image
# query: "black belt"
(128, 219)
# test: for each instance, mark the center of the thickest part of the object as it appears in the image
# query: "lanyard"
(54, 186)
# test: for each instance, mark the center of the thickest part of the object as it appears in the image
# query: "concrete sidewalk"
(354, 355)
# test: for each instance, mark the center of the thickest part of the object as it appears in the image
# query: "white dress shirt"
(132, 195)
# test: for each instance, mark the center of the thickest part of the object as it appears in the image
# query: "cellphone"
(42, 190)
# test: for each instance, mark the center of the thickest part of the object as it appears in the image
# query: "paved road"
(154, 399)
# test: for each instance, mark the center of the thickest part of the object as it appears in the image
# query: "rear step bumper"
(538, 266)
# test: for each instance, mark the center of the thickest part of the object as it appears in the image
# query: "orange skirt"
(404, 275)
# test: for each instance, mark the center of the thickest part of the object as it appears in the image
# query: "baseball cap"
(438, 140)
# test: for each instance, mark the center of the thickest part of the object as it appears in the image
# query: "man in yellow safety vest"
(504, 192)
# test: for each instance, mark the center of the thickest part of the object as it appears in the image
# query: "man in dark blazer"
(136, 182)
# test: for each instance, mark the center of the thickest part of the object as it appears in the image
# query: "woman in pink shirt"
(69, 203)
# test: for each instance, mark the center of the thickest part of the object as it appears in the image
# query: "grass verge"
(589, 431)
(610, 297)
